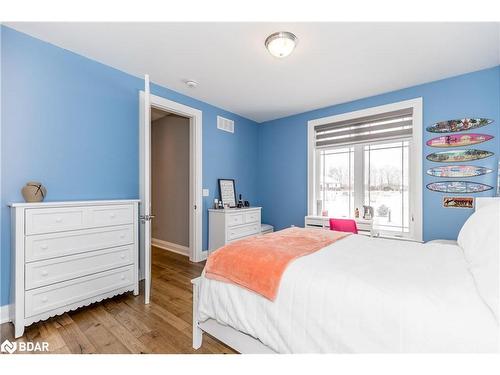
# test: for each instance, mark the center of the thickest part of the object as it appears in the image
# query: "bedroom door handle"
(145, 218)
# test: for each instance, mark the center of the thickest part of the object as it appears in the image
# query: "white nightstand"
(365, 227)
(232, 224)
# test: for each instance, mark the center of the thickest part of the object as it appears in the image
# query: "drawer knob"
(58, 220)
(44, 247)
(122, 235)
(44, 273)
(44, 299)
(112, 216)
(122, 256)
(123, 277)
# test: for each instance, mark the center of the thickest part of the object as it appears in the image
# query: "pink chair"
(344, 225)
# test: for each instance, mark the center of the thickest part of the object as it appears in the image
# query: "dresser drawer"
(41, 300)
(60, 219)
(252, 217)
(46, 220)
(243, 231)
(235, 219)
(102, 216)
(45, 246)
(55, 270)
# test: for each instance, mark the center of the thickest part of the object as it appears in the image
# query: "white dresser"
(69, 254)
(232, 224)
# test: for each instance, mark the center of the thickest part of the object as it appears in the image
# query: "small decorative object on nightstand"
(227, 192)
(367, 212)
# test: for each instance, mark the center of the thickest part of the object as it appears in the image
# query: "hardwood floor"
(124, 324)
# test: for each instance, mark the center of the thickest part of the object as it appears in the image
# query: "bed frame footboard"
(197, 331)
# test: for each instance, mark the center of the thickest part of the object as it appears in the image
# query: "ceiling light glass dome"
(281, 44)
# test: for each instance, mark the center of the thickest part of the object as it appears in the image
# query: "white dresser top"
(233, 210)
(71, 203)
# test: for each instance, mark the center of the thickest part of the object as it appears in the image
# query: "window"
(336, 181)
(386, 184)
(364, 158)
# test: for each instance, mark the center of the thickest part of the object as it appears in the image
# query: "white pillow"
(479, 238)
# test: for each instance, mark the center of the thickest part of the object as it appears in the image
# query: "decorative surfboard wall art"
(458, 155)
(458, 140)
(458, 125)
(458, 171)
(458, 202)
(458, 187)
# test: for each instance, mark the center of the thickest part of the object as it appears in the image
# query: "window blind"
(389, 125)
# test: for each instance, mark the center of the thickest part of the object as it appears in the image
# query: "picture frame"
(227, 191)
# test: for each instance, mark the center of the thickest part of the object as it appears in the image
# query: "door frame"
(195, 116)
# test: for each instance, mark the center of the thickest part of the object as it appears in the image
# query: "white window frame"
(415, 152)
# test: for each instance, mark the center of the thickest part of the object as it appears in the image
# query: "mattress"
(363, 295)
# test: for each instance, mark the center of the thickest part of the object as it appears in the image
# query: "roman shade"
(389, 125)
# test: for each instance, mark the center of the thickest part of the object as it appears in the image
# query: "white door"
(145, 185)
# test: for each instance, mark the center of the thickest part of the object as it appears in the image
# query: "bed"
(367, 295)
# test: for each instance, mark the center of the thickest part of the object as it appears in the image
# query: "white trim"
(204, 255)
(416, 204)
(70, 203)
(415, 151)
(5, 313)
(195, 197)
(170, 246)
(311, 167)
(145, 186)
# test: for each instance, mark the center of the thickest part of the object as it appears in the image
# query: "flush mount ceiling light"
(281, 44)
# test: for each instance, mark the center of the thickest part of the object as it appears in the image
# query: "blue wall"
(72, 123)
(282, 172)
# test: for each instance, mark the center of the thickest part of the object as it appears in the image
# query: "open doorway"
(161, 107)
(170, 181)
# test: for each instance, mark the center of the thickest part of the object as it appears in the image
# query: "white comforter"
(363, 294)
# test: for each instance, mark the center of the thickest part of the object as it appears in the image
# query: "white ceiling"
(333, 62)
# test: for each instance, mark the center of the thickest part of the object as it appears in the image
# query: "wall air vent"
(225, 124)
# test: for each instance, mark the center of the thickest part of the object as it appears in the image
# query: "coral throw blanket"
(257, 263)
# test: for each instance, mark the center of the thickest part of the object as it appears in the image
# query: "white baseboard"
(204, 255)
(179, 249)
(5, 313)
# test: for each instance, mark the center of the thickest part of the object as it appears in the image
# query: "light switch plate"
(205, 192)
